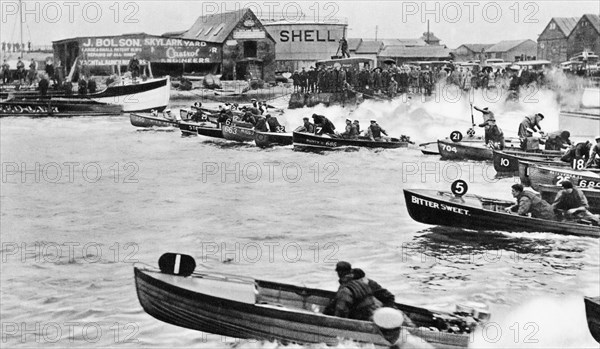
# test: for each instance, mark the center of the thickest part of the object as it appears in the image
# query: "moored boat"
(132, 96)
(482, 214)
(507, 161)
(592, 312)
(309, 141)
(268, 139)
(548, 192)
(535, 174)
(57, 107)
(242, 307)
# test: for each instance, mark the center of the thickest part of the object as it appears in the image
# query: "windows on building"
(250, 49)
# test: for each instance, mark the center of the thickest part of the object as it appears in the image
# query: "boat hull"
(427, 206)
(508, 161)
(592, 311)
(161, 297)
(464, 151)
(137, 97)
(307, 141)
(268, 139)
(149, 120)
(189, 128)
(238, 134)
(534, 175)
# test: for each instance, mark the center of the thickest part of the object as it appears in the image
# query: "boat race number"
(459, 187)
(456, 136)
(449, 148)
(504, 162)
(578, 164)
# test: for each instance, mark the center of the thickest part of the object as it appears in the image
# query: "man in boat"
(134, 67)
(571, 202)
(357, 124)
(274, 125)
(261, 124)
(354, 298)
(579, 151)
(374, 132)
(528, 126)
(307, 127)
(384, 296)
(595, 155)
(350, 132)
(530, 203)
(323, 125)
(558, 140)
(224, 115)
(493, 134)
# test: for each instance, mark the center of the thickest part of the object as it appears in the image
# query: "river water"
(83, 199)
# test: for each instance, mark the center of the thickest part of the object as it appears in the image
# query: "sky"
(454, 22)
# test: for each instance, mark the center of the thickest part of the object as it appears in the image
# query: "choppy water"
(107, 195)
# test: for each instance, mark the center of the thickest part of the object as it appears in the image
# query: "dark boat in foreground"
(592, 312)
(235, 132)
(57, 107)
(548, 192)
(242, 307)
(482, 214)
(269, 139)
(190, 128)
(309, 141)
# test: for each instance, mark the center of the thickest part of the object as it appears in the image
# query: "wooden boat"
(131, 96)
(592, 311)
(150, 120)
(57, 107)
(482, 214)
(268, 139)
(309, 141)
(549, 191)
(534, 174)
(450, 150)
(242, 307)
(235, 132)
(507, 161)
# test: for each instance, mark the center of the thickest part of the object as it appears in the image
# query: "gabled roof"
(369, 47)
(566, 24)
(477, 47)
(176, 34)
(216, 27)
(415, 52)
(353, 44)
(507, 45)
(431, 37)
(594, 20)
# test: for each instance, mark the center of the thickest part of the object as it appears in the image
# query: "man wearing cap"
(595, 152)
(558, 140)
(374, 132)
(493, 134)
(273, 123)
(572, 202)
(357, 124)
(529, 125)
(530, 203)
(389, 321)
(261, 124)
(354, 299)
(351, 132)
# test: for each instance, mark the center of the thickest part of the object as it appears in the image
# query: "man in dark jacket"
(595, 153)
(374, 132)
(572, 202)
(384, 296)
(351, 131)
(261, 124)
(307, 127)
(273, 123)
(529, 202)
(558, 140)
(579, 151)
(323, 125)
(354, 298)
